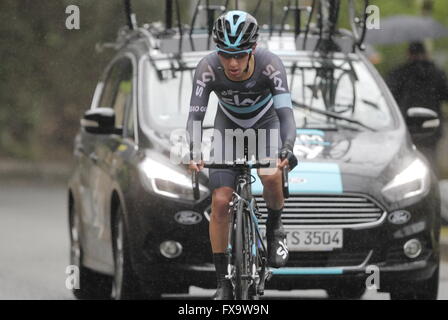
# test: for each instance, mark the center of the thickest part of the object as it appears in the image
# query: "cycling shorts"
(262, 145)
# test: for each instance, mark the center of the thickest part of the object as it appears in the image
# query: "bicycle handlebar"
(234, 165)
(245, 165)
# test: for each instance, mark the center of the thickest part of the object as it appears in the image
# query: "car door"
(104, 178)
(125, 157)
(94, 200)
(84, 147)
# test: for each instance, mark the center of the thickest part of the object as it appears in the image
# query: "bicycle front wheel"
(241, 254)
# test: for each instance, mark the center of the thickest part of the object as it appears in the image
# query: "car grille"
(327, 210)
(327, 259)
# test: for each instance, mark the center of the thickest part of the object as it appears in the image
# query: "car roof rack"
(169, 46)
(172, 38)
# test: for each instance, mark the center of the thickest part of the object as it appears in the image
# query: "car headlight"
(411, 182)
(168, 182)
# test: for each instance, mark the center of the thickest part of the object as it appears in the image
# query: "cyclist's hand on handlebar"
(194, 166)
(288, 158)
(282, 163)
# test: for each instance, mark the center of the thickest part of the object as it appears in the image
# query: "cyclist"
(252, 90)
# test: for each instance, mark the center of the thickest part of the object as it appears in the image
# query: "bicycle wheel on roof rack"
(357, 10)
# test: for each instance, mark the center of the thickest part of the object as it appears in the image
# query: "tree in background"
(48, 73)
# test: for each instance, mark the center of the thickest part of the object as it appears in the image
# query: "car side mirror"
(422, 121)
(100, 121)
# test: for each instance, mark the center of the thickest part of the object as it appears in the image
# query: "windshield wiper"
(331, 115)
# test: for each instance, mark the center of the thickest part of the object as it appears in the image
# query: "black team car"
(363, 199)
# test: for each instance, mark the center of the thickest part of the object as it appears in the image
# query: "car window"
(168, 100)
(129, 126)
(117, 93)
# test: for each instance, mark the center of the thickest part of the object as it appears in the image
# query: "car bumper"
(203, 275)
(195, 267)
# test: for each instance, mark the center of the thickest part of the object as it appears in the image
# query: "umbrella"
(403, 28)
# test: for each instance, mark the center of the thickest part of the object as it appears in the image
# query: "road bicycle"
(246, 252)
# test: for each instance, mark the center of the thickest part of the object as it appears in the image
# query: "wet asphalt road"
(34, 248)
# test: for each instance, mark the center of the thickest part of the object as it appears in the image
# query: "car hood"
(346, 161)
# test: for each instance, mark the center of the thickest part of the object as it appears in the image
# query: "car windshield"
(333, 93)
(326, 93)
(167, 95)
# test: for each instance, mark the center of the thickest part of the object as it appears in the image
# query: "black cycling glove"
(286, 153)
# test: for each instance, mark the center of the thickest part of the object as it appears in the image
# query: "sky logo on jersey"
(248, 104)
(205, 77)
(272, 74)
(236, 101)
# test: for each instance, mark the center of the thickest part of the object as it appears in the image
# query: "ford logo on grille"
(188, 217)
(399, 217)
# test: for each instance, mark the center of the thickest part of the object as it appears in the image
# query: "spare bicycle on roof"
(317, 19)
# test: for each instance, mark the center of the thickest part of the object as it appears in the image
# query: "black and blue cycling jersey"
(262, 101)
(244, 103)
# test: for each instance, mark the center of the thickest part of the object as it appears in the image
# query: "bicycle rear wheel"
(241, 254)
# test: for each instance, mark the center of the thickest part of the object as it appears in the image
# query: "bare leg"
(219, 230)
(219, 219)
(273, 189)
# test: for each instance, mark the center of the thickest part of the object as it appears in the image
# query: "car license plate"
(311, 239)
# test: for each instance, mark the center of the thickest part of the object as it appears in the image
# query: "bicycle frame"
(256, 273)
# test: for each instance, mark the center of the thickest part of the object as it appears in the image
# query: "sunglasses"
(233, 54)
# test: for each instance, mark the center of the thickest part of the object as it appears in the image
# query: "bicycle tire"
(240, 253)
(254, 259)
